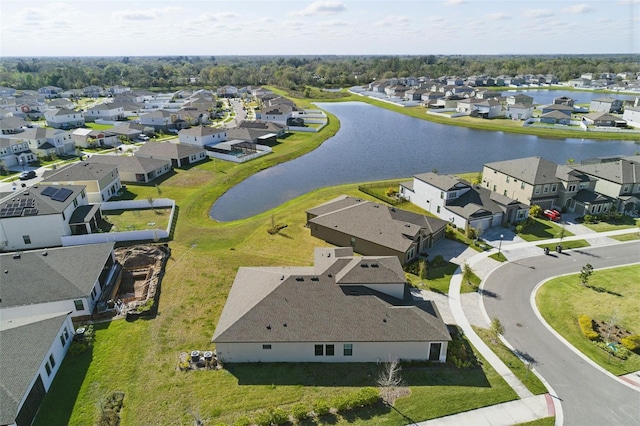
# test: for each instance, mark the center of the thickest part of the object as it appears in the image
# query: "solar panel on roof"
(3, 213)
(29, 212)
(49, 191)
(61, 194)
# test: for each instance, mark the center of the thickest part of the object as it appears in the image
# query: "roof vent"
(284, 325)
(384, 320)
(374, 265)
(281, 277)
(268, 327)
(315, 279)
(299, 279)
(16, 255)
(407, 225)
(364, 265)
(44, 253)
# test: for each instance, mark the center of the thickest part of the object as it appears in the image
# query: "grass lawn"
(624, 222)
(547, 421)
(567, 245)
(138, 219)
(542, 229)
(499, 257)
(561, 300)
(96, 126)
(140, 358)
(518, 368)
(627, 237)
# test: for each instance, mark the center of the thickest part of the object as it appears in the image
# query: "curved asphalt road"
(589, 396)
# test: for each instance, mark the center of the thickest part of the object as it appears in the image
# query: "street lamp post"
(500, 244)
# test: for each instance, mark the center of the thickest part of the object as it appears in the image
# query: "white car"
(143, 138)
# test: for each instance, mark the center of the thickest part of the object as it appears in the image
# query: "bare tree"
(496, 328)
(585, 273)
(390, 380)
(467, 273)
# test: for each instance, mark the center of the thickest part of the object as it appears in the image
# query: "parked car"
(143, 138)
(27, 175)
(552, 214)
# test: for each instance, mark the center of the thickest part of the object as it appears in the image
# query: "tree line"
(291, 72)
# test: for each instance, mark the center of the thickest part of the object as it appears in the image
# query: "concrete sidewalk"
(506, 414)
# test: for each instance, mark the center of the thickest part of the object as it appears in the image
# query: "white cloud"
(143, 15)
(334, 23)
(454, 2)
(211, 17)
(321, 8)
(393, 20)
(498, 16)
(578, 9)
(538, 13)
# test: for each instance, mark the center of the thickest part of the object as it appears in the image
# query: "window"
(438, 209)
(347, 349)
(66, 333)
(554, 187)
(537, 190)
(319, 350)
(625, 188)
(572, 188)
(507, 179)
(546, 189)
(329, 350)
(494, 188)
(451, 195)
(62, 339)
(48, 368)
(520, 214)
(27, 239)
(353, 241)
(79, 305)
(75, 202)
(583, 185)
(266, 346)
(52, 361)
(504, 193)
(441, 194)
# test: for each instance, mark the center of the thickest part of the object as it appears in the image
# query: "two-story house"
(462, 203)
(39, 216)
(101, 181)
(606, 104)
(15, 152)
(202, 136)
(36, 139)
(61, 141)
(530, 180)
(64, 118)
(110, 112)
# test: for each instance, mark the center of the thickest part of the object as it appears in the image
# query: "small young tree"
(467, 273)
(496, 328)
(562, 233)
(390, 380)
(585, 273)
(150, 201)
(535, 211)
(423, 267)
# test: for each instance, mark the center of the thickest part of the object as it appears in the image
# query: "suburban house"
(202, 136)
(180, 155)
(10, 125)
(194, 116)
(110, 112)
(278, 113)
(345, 308)
(618, 179)
(93, 91)
(564, 100)
(42, 290)
(32, 351)
(62, 141)
(38, 216)
(227, 91)
(373, 229)
(603, 119)
(520, 98)
(101, 181)
(518, 111)
(64, 118)
(50, 91)
(14, 152)
(268, 126)
(161, 119)
(606, 104)
(555, 117)
(89, 138)
(531, 180)
(462, 203)
(132, 130)
(62, 103)
(632, 116)
(42, 141)
(132, 168)
(565, 109)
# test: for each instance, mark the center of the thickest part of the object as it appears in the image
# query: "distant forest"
(291, 72)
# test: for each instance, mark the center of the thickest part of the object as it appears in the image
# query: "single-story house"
(374, 229)
(603, 119)
(133, 168)
(268, 126)
(555, 117)
(565, 109)
(180, 155)
(256, 136)
(345, 308)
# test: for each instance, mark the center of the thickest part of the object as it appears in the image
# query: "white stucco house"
(202, 136)
(15, 152)
(111, 112)
(462, 203)
(101, 181)
(345, 308)
(632, 116)
(64, 118)
(518, 111)
(38, 216)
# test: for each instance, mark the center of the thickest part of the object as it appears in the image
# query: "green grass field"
(542, 229)
(566, 245)
(138, 219)
(561, 300)
(625, 222)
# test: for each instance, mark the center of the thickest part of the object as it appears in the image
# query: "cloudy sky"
(298, 27)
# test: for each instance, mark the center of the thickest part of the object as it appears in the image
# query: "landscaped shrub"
(110, 415)
(437, 262)
(242, 421)
(365, 396)
(589, 218)
(300, 411)
(619, 352)
(535, 211)
(631, 342)
(321, 407)
(341, 402)
(390, 192)
(586, 325)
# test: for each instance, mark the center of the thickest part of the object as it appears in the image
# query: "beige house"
(374, 229)
(102, 181)
(345, 308)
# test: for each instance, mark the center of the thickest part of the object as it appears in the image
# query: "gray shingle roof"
(621, 171)
(379, 224)
(532, 170)
(168, 150)
(24, 346)
(443, 182)
(128, 163)
(79, 171)
(44, 204)
(478, 201)
(269, 305)
(201, 131)
(65, 273)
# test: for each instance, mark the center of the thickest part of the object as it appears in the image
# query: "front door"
(434, 351)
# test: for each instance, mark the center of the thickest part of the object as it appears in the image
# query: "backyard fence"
(378, 190)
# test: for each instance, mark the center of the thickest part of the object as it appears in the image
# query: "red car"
(552, 214)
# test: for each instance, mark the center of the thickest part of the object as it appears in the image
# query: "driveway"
(589, 396)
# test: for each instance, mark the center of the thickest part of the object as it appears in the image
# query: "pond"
(374, 144)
